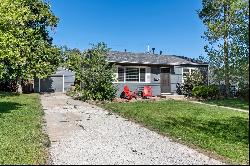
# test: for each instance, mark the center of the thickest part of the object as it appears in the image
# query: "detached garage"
(58, 82)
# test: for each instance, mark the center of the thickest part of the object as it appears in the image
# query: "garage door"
(52, 84)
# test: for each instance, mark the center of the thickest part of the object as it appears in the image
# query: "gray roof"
(63, 71)
(144, 58)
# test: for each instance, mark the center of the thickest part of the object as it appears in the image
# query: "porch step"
(166, 94)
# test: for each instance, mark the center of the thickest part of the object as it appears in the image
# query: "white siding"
(173, 88)
(176, 78)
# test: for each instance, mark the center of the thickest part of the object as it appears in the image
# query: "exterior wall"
(155, 75)
(52, 84)
(175, 77)
(152, 79)
(156, 89)
(68, 81)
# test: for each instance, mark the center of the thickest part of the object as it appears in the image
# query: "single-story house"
(57, 82)
(162, 72)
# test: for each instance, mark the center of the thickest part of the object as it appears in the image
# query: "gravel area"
(81, 133)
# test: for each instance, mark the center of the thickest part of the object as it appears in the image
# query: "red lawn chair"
(129, 94)
(147, 92)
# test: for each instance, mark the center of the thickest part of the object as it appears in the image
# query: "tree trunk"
(19, 85)
(226, 51)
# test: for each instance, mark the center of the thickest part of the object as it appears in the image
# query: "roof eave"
(149, 63)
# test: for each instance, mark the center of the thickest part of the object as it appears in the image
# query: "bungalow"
(161, 72)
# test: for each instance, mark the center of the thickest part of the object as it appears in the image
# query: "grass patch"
(21, 137)
(234, 103)
(220, 131)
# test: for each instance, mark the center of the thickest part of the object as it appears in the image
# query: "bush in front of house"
(196, 78)
(206, 92)
(95, 75)
(243, 92)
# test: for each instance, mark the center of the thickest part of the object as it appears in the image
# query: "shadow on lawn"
(8, 94)
(235, 103)
(232, 130)
(7, 107)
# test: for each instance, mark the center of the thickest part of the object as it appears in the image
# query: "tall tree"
(95, 73)
(227, 23)
(26, 49)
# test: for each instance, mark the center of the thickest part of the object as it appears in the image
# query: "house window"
(131, 74)
(142, 74)
(186, 72)
(120, 74)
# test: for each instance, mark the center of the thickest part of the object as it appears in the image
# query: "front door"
(165, 80)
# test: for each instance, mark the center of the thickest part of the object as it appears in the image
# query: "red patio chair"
(147, 92)
(129, 94)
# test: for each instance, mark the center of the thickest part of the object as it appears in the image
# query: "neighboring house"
(162, 72)
(57, 82)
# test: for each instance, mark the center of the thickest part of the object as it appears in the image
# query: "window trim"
(125, 81)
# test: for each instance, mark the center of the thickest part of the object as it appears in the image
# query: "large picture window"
(131, 74)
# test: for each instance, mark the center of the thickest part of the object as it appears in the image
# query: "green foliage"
(244, 92)
(94, 72)
(22, 141)
(196, 78)
(221, 131)
(205, 92)
(26, 49)
(227, 23)
(230, 102)
(73, 60)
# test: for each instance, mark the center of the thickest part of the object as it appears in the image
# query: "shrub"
(243, 92)
(95, 74)
(205, 92)
(213, 91)
(194, 79)
(199, 91)
(187, 89)
(8, 85)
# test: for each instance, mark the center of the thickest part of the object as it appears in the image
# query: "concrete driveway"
(81, 133)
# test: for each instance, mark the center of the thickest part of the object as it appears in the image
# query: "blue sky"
(172, 26)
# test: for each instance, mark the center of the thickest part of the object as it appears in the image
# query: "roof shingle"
(144, 58)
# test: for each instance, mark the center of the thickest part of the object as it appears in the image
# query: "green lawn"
(234, 103)
(220, 131)
(21, 137)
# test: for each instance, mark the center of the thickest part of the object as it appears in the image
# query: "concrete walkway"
(235, 109)
(81, 133)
